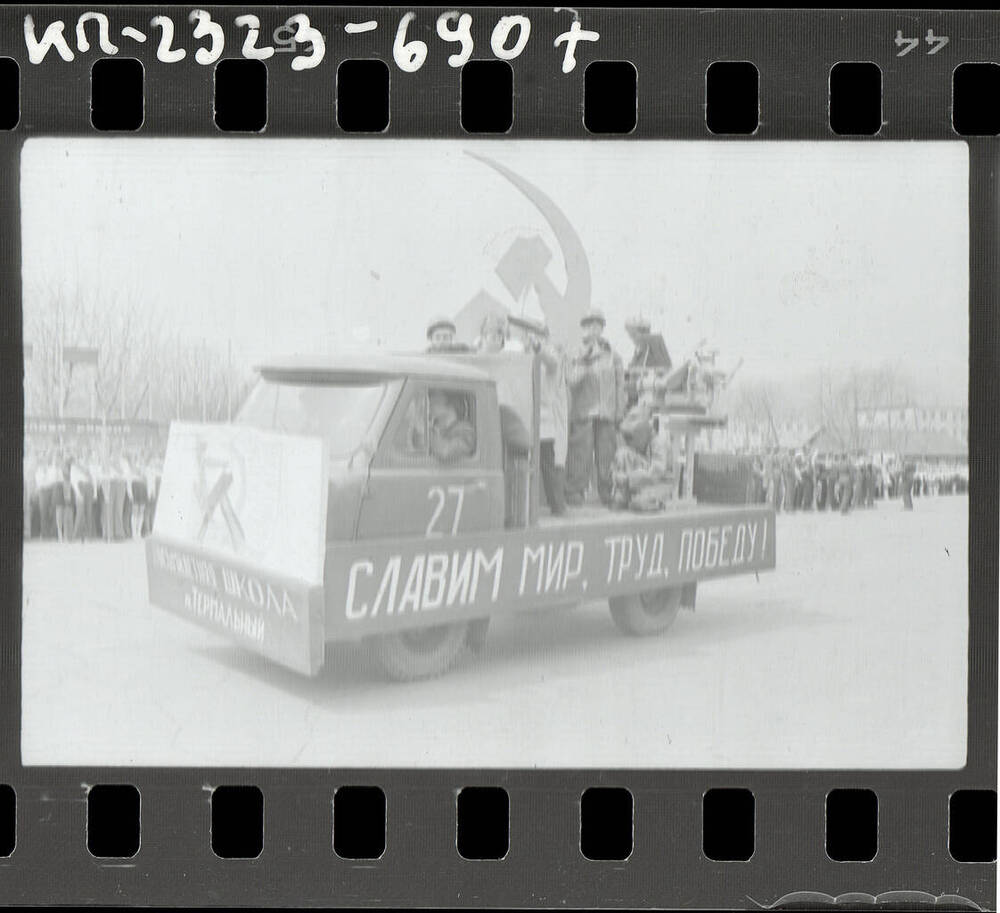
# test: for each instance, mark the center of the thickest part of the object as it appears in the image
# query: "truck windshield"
(340, 413)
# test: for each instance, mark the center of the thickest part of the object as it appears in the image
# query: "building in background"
(951, 420)
(741, 436)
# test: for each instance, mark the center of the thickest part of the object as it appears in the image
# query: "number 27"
(440, 495)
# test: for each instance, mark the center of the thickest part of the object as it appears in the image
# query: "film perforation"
(852, 825)
(10, 90)
(482, 825)
(116, 94)
(973, 83)
(113, 821)
(606, 823)
(855, 98)
(237, 829)
(359, 822)
(241, 96)
(610, 98)
(487, 96)
(8, 819)
(972, 825)
(728, 824)
(732, 103)
(363, 96)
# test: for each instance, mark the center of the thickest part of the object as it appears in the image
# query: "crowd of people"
(792, 480)
(73, 492)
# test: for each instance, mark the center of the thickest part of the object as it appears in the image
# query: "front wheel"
(643, 614)
(420, 653)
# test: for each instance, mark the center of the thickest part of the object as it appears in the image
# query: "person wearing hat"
(441, 336)
(597, 403)
(451, 436)
(492, 334)
(650, 354)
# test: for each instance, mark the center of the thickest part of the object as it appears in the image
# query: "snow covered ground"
(852, 653)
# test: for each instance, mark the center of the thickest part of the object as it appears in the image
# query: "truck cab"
(418, 445)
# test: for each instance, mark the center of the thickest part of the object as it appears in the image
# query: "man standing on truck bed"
(597, 404)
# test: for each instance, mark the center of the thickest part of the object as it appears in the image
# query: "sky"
(790, 256)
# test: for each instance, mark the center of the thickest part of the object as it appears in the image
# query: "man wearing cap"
(441, 336)
(451, 437)
(597, 403)
(492, 334)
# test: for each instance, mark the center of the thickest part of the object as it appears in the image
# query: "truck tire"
(643, 614)
(420, 653)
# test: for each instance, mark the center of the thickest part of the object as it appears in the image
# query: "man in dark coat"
(596, 379)
(807, 494)
(909, 471)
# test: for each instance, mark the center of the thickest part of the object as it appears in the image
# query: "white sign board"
(254, 495)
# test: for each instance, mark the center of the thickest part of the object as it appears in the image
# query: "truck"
(329, 510)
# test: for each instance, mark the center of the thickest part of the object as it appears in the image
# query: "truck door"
(432, 475)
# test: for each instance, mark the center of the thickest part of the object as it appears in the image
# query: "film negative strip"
(359, 360)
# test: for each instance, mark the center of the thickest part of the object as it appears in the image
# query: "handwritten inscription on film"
(298, 36)
(397, 583)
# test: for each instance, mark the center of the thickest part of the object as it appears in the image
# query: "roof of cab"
(360, 365)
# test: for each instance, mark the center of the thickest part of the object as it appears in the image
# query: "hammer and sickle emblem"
(524, 264)
(217, 497)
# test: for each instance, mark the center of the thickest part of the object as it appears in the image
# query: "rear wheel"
(420, 653)
(643, 614)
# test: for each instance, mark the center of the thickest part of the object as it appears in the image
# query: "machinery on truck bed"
(329, 511)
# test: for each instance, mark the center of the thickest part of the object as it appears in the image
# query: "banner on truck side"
(385, 585)
(252, 495)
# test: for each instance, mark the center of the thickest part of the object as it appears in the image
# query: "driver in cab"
(451, 437)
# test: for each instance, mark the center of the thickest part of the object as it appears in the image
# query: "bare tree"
(848, 397)
(198, 382)
(140, 371)
(753, 408)
(122, 332)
